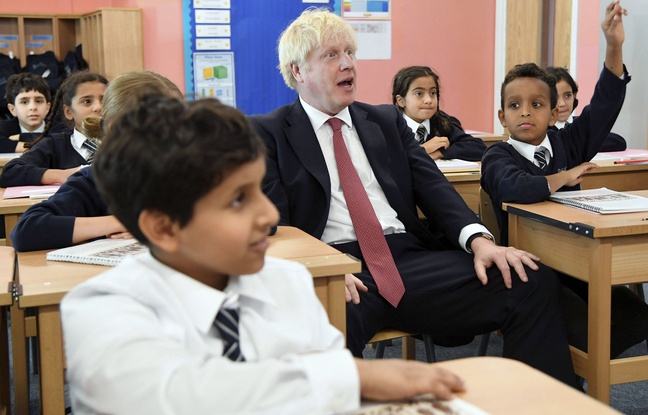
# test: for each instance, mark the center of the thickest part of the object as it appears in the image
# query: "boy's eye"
(514, 105)
(537, 104)
(330, 55)
(238, 200)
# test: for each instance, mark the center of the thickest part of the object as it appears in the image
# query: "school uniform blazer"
(508, 177)
(297, 179)
(613, 142)
(52, 152)
(462, 146)
(50, 223)
(12, 127)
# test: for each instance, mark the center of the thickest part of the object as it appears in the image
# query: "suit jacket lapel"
(303, 140)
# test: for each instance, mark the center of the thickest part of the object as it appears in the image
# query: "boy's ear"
(67, 112)
(554, 117)
(500, 115)
(160, 230)
(296, 73)
(400, 101)
(12, 109)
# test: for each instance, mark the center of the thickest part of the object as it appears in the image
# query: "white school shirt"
(78, 138)
(38, 130)
(527, 150)
(413, 125)
(339, 228)
(140, 339)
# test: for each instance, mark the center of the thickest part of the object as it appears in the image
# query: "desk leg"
(599, 321)
(4, 362)
(337, 303)
(11, 219)
(51, 360)
(19, 355)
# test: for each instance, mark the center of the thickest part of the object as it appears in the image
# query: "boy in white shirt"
(185, 179)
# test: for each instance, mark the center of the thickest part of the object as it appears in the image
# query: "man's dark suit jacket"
(297, 179)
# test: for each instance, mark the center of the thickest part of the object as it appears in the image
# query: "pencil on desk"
(631, 161)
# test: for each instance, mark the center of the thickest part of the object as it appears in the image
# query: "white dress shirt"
(415, 125)
(339, 227)
(527, 150)
(40, 129)
(140, 339)
(77, 139)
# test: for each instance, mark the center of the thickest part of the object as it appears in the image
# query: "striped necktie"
(91, 145)
(226, 322)
(371, 238)
(541, 157)
(420, 134)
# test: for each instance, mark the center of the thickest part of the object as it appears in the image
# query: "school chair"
(487, 214)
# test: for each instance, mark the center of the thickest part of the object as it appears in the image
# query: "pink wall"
(161, 20)
(459, 46)
(436, 33)
(589, 33)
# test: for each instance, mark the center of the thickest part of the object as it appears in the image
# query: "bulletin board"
(240, 69)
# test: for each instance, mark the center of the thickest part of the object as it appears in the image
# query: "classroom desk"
(489, 138)
(7, 157)
(619, 177)
(42, 284)
(502, 386)
(7, 262)
(603, 250)
(12, 209)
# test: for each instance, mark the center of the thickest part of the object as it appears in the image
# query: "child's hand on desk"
(570, 177)
(396, 379)
(352, 285)
(120, 235)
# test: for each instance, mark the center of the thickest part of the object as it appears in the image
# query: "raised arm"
(612, 26)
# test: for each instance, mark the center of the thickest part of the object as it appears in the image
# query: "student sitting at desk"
(536, 162)
(416, 91)
(204, 323)
(52, 158)
(28, 100)
(567, 103)
(76, 213)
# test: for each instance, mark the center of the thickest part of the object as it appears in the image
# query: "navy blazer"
(297, 179)
(52, 152)
(50, 223)
(12, 127)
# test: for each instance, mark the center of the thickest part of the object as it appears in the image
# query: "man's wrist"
(475, 236)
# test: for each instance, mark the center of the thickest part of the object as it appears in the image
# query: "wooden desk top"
(45, 282)
(582, 222)
(7, 157)
(7, 261)
(18, 205)
(502, 386)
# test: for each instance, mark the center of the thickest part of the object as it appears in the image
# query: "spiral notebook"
(107, 252)
(603, 200)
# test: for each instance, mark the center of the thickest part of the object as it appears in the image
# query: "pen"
(644, 218)
(631, 161)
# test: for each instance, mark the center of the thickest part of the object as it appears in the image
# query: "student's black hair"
(26, 82)
(440, 123)
(163, 155)
(531, 70)
(64, 96)
(561, 74)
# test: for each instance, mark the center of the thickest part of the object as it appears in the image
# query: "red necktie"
(370, 235)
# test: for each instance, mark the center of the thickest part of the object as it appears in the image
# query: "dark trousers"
(629, 315)
(444, 297)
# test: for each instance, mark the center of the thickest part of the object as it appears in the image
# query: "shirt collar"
(318, 118)
(202, 302)
(40, 129)
(527, 150)
(415, 125)
(77, 139)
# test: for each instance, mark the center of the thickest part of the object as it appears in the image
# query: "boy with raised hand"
(28, 100)
(537, 161)
(149, 336)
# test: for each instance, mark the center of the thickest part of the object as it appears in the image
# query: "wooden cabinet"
(112, 41)
(111, 38)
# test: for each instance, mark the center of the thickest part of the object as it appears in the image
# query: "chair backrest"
(487, 214)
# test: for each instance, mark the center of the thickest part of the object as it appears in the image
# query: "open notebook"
(602, 200)
(427, 406)
(108, 252)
